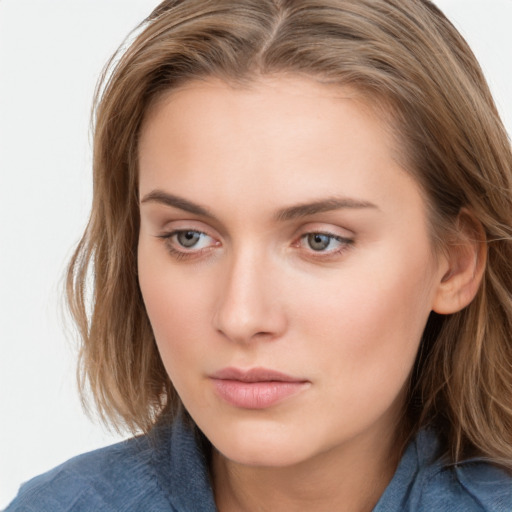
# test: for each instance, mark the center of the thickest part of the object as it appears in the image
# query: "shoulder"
(164, 471)
(424, 482)
(118, 477)
(471, 486)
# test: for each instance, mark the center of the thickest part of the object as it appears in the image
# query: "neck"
(350, 477)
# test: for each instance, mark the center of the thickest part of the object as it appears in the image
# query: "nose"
(249, 305)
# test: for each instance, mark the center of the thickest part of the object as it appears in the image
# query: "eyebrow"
(321, 206)
(159, 196)
(283, 215)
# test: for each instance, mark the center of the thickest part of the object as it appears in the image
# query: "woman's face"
(285, 264)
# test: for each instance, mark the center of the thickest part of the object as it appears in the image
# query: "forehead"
(280, 141)
(277, 111)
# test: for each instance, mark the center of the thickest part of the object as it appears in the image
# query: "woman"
(300, 245)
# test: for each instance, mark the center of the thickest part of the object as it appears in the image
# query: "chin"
(252, 454)
(264, 444)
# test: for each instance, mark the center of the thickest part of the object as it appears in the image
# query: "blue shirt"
(166, 471)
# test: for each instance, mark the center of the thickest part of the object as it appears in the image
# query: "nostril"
(249, 326)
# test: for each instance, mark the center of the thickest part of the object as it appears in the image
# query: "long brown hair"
(407, 60)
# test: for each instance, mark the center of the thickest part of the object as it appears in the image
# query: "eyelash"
(345, 243)
(183, 254)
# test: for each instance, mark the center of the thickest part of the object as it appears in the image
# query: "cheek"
(367, 324)
(176, 309)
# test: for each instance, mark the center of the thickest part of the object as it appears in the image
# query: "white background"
(51, 54)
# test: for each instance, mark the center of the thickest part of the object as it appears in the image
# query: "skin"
(346, 319)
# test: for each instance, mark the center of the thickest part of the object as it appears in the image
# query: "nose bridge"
(248, 304)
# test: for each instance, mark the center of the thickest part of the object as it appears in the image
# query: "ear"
(465, 260)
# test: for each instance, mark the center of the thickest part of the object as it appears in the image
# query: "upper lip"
(254, 375)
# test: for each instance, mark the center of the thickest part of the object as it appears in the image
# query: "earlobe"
(466, 258)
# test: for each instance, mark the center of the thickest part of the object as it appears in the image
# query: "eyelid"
(171, 233)
(171, 226)
(333, 236)
(325, 229)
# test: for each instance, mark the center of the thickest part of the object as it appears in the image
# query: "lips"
(256, 388)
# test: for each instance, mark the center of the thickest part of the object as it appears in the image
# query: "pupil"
(318, 242)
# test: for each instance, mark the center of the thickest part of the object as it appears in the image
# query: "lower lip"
(256, 395)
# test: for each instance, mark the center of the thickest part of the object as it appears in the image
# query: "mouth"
(256, 388)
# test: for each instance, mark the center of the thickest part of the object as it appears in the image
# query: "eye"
(325, 242)
(318, 241)
(183, 243)
(188, 239)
